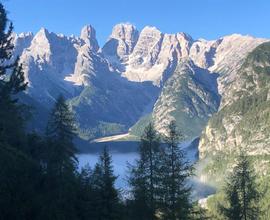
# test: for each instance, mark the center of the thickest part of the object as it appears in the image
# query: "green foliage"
(19, 175)
(145, 176)
(139, 127)
(60, 133)
(191, 111)
(108, 202)
(247, 109)
(38, 176)
(219, 199)
(260, 54)
(176, 170)
(158, 180)
(254, 113)
(264, 190)
(214, 203)
(60, 163)
(11, 117)
(199, 213)
(100, 130)
(240, 198)
(90, 99)
(98, 197)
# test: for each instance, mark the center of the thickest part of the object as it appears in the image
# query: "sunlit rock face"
(243, 119)
(110, 88)
(121, 43)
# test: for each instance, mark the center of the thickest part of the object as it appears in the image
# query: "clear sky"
(207, 19)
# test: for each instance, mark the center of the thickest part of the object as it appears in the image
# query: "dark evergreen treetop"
(242, 192)
(176, 171)
(12, 78)
(145, 176)
(108, 202)
(61, 123)
(60, 133)
(11, 82)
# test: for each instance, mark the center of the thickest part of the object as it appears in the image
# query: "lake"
(122, 155)
(120, 161)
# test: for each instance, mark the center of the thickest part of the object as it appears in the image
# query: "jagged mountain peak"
(59, 64)
(150, 33)
(120, 44)
(88, 35)
(40, 45)
(184, 36)
(21, 42)
(25, 34)
(43, 32)
(150, 29)
(124, 31)
(236, 36)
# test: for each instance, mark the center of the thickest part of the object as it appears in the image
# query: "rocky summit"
(138, 76)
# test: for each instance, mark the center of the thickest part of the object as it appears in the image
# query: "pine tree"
(19, 173)
(234, 212)
(60, 165)
(241, 192)
(176, 170)
(11, 83)
(60, 133)
(145, 176)
(87, 196)
(107, 199)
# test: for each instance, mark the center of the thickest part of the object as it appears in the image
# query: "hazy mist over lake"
(120, 161)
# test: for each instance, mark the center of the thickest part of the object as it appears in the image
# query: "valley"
(216, 92)
(123, 84)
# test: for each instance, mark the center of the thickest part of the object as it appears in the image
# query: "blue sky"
(207, 19)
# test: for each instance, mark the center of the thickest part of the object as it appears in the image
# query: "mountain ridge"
(136, 63)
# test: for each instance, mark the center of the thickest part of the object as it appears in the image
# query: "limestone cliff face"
(135, 77)
(190, 97)
(244, 120)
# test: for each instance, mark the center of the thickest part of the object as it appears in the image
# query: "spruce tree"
(145, 176)
(107, 199)
(87, 196)
(241, 192)
(11, 83)
(60, 133)
(19, 173)
(61, 164)
(176, 170)
(234, 212)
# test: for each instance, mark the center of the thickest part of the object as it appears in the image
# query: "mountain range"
(142, 76)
